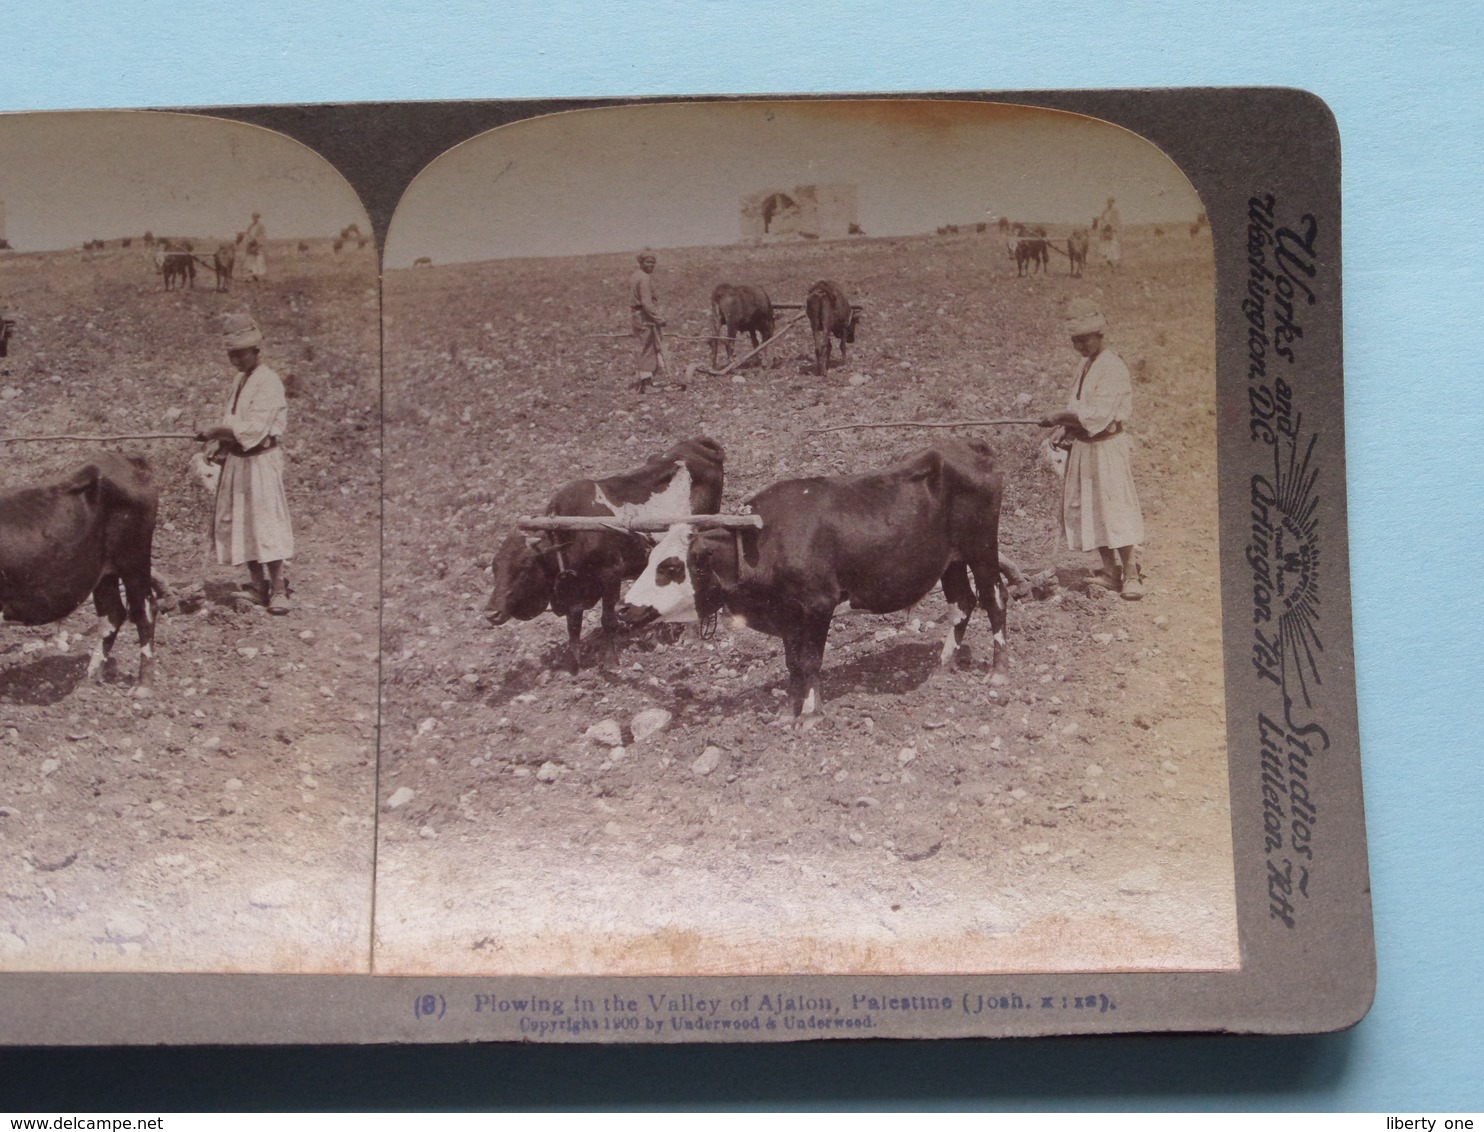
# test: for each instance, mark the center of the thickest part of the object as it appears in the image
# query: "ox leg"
(999, 603)
(143, 611)
(803, 651)
(574, 637)
(960, 596)
(111, 615)
(611, 592)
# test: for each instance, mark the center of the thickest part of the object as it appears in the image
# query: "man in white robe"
(252, 525)
(256, 239)
(1100, 505)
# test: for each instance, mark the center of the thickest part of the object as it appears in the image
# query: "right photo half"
(801, 549)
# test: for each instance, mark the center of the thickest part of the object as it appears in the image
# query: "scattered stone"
(606, 732)
(613, 829)
(707, 762)
(426, 725)
(275, 894)
(427, 833)
(550, 772)
(1169, 767)
(400, 797)
(860, 379)
(856, 838)
(1037, 849)
(233, 784)
(649, 722)
(672, 852)
(307, 635)
(1161, 622)
(122, 929)
(1019, 794)
(1140, 882)
(867, 802)
(918, 843)
(247, 651)
(1093, 770)
(906, 755)
(1070, 730)
(1103, 638)
(49, 766)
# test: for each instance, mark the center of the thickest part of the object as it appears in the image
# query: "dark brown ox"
(1030, 250)
(222, 262)
(736, 307)
(878, 542)
(830, 315)
(568, 572)
(1077, 244)
(90, 533)
(178, 265)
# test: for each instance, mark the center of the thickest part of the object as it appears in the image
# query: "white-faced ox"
(87, 534)
(568, 572)
(879, 542)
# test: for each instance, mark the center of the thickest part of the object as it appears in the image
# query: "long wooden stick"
(616, 523)
(930, 424)
(99, 439)
(686, 337)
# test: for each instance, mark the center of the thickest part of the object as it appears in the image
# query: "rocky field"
(659, 814)
(226, 821)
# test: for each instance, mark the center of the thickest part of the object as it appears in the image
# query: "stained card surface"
(832, 567)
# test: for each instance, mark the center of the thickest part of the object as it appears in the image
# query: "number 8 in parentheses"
(429, 1006)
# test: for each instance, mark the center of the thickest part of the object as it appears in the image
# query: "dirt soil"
(1074, 817)
(224, 823)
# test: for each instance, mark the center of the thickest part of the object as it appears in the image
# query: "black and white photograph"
(189, 558)
(800, 549)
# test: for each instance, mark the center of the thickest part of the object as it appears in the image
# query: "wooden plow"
(696, 367)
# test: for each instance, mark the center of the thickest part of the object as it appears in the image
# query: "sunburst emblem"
(1296, 558)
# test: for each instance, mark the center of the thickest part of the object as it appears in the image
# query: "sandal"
(1098, 580)
(1132, 590)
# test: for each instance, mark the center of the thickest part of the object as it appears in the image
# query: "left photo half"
(190, 433)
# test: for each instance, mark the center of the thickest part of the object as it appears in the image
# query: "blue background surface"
(1404, 81)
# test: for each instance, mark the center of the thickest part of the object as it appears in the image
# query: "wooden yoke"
(646, 525)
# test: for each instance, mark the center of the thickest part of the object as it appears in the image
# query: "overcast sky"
(72, 176)
(623, 178)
